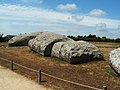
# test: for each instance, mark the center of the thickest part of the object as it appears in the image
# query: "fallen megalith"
(60, 46)
(22, 39)
(76, 51)
(43, 43)
(114, 60)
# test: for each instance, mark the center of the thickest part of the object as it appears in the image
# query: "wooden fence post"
(11, 65)
(39, 76)
(104, 87)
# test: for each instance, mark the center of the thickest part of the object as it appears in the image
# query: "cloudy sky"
(68, 17)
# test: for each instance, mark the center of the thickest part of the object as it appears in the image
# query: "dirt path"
(12, 81)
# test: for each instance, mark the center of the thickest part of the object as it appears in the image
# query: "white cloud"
(14, 12)
(67, 6)
(18, 19)
(101, 26)
(77, 18)
(97, 12)
(33, 1)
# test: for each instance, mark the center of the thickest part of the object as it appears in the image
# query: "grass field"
(96, 73)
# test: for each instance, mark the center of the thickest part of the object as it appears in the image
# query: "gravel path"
(11, 81)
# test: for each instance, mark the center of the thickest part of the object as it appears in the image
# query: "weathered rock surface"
(43, 43)
(76, 51)
(52, 44)
(114, 60)
(22, 39)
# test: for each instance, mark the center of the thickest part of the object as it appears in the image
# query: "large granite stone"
(114, 60)
(43, 43)
(22, 39)
(76, 51)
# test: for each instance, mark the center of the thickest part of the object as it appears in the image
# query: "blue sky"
(69, 17)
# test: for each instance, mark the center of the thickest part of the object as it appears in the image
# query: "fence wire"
(78, 84)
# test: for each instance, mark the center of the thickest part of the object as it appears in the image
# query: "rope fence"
(40, 73)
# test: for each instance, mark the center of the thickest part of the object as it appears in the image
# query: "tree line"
(90, 37)
(5, 38)
(1, 37)
(94, 38)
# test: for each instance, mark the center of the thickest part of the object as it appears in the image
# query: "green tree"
(1, 37)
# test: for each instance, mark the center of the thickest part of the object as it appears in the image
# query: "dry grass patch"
(96, 73)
